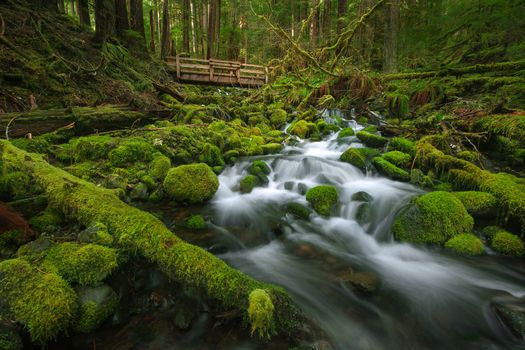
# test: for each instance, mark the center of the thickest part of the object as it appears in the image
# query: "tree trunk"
(193, 33)
(83, 13)
(212, 23)
(122, 23)
(390, 38)
(137, 17)
(186, 26)
(327, 20)
(165, 41)
(314, 25)
(341, 14)
(104, 20)
(151, 30)
(60, 6)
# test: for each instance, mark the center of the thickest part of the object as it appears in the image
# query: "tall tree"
(83, 13)
(151, 30)
(212, 28)
(391, 35)
(104, 20)
(121, 19)
(186, 26)
(341, 13)
(137, 16)
(314, 24)
(165, 41)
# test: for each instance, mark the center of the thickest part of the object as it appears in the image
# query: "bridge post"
(177, 66)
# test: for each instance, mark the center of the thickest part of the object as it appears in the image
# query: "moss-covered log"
(142, 233)
(476, 69)
(85, 119)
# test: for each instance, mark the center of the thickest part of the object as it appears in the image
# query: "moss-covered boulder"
(271, 148)
(159, 167)
(37, 298)
(478, 204)
(96, 305)
(83, 264)
(193, 183)
(48, 221)
(388, 169)
(346, 132)
(96, 233)
(130, 152)
(323, 198)
(402, 144)
(303, 129)
(278, 118)
(298, 210)
(248, 183)
(508, 244)
(195, 222)
(433, 218)
(371, 140)
(466, 244)
(259, 167)
(92, 147)
(358, 157)
(398, 158)
(211, 155)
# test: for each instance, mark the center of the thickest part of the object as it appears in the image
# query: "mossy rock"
(14, 185)
(433, 218)
(278, 118)
(193, 183)
(298, 210)
(303, 129)
(259, 167)
(39, 299)
(402, 144)
(398, 158)
(195, 222)
(96, 305)
(326, 128)
(159, 167)
(323, 198)
(371, 140)
(272, 148)
(48, 221)
(370, 129)
(418, 178)
(468, 156)
(96, 233)
(508, 244)
(358, 157)
(478, 204)
(466, 244)
(390, 170)
(84, 264)
(211, 155)
(346, 132)
(139, 192)
(248, 183)
(130, 152)
(92, 147)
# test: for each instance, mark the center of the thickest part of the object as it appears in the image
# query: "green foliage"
(401, 144)
(85, 264)
(194, 183)
(260, 311)
(322, 198)
(397, 104)
(131, 151)
(390, 170)
(346, 132)
(465, 243)
(478, 204)
(358, 157)
(433, 218)
(371, 140)
(159, 167)
(506, 243)
(195, 222)
(398, 158)
(38, 298)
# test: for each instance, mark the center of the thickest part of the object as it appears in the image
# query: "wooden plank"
(184, 66)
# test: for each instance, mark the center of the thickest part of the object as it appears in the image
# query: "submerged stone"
(96, 305)
(298, 210)
(513, 316)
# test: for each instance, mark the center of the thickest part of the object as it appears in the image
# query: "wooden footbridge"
(217, 72)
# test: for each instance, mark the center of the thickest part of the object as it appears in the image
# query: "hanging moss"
(390, 170)
(194, 183)
(38, 298)
(323, 198)
(260, 311)
(466, 244)
(433, 218)
(371, 140)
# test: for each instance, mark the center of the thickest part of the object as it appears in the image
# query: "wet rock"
(96, 233)
(364, 282)
(288, 185)
(302, 188)
(140, 191)
(513, 316)
(364, 214)
(96, 305)
(115, 181)
(323, 198)
(35, 248)
(298, 210)
(362, 196)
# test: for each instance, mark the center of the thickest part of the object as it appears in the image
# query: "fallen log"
(478, 68)
(140, 232)
(84, 119)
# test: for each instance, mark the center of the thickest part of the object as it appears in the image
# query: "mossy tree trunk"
(137, 17)
(104, 20)
(166, 37)
(121, 17)
(83, 13)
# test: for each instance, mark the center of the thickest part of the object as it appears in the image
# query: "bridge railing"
(216, 71)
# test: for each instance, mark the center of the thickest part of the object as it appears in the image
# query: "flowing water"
(426, 298)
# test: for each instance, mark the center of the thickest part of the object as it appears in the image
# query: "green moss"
(371, 140)
(195, 222)
(401, 144)
(490, 231)
(358, 157)
(478, 204)
(272, 148)
(96, 233)
(39, 299)
(130, 152)
(370, 129)
(433, 218)
(466, 244)
(48, 221)
(194, 183)
(443, 186)
(417, 177)
(211, 155)
(323, 198)
(346, 132)
(259, 167)
(390, 170)
(14, 185)
(248, 183)
(506, 243)
(278, 118)
(467, 155)
(92, 147)
(303, 129)
(84, 264)
(260, 311)
(398, 158)
(298, 210)
(96, 305)
(159, 167)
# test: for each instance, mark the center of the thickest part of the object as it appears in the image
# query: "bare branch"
(2, 25)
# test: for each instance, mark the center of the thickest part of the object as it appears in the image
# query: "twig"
(2, 25)
(7, 128)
